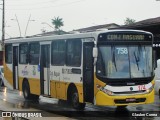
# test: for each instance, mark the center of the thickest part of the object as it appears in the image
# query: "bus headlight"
(150, 89)
(108, 92)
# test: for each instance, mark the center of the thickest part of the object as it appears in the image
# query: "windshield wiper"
(137, 60)
(114, 59)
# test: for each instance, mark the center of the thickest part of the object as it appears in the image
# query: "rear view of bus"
(124, 68)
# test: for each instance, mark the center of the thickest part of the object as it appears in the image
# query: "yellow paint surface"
(8, 74)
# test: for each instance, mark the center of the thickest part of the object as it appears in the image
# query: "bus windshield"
(124, 61)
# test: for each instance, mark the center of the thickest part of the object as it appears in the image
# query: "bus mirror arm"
(95, 60)
(95, 52)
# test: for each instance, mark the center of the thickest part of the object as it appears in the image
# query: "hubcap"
(25, 92)
(75, 99)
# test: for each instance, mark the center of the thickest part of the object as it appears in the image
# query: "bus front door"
(45, 69)
(15, 67)
(88, 81)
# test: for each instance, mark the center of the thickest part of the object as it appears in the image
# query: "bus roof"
(67, 36)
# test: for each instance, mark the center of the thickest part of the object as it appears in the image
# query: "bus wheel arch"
(26, 91)
(73, 97)
(69, 91)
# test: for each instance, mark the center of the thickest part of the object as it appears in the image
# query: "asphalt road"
(12, 100)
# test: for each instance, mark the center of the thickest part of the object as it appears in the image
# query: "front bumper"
(103, 99)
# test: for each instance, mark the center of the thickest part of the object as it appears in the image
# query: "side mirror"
(95, 52)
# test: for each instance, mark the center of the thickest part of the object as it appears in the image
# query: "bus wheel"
(26, 90)
(35, 97)
(75, 101)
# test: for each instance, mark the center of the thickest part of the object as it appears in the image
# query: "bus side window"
(8, 53)
(34, 53)
(23, 59)
(74, 48)
(58, 52)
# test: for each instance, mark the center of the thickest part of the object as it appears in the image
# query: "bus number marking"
(141, 87)
(122, 51)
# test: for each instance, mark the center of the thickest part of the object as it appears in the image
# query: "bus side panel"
(31, 73)
(34, 86)
(8, 74)
(61, 81)
(20, 83)
(69, 77)
(61, 90)
(53, 88)
(33, 83)
(80, 92)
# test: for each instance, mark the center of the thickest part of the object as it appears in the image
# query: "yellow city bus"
(107, 68)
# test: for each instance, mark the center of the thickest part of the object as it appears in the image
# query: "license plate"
(130, 100)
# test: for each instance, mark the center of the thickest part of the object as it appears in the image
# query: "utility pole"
(3, 24)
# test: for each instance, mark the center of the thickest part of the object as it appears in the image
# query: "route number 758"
(122, 51)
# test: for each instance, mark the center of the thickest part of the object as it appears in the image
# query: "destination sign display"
(124, 36)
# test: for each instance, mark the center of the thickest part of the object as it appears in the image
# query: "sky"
(76, 14)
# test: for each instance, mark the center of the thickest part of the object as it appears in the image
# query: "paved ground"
(12, 100)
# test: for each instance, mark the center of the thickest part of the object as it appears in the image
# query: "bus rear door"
(45, 69)
(15, 67)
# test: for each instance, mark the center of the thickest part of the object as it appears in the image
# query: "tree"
(129, 21)
(57, 22)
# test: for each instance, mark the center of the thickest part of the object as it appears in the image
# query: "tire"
(26, 90)
(75, 101)
(35, 97)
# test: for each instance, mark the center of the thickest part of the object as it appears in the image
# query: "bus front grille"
(124, 83)
(130, 92)
(129, 100)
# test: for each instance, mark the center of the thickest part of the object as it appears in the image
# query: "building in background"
(152, 25)
(97, 27)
